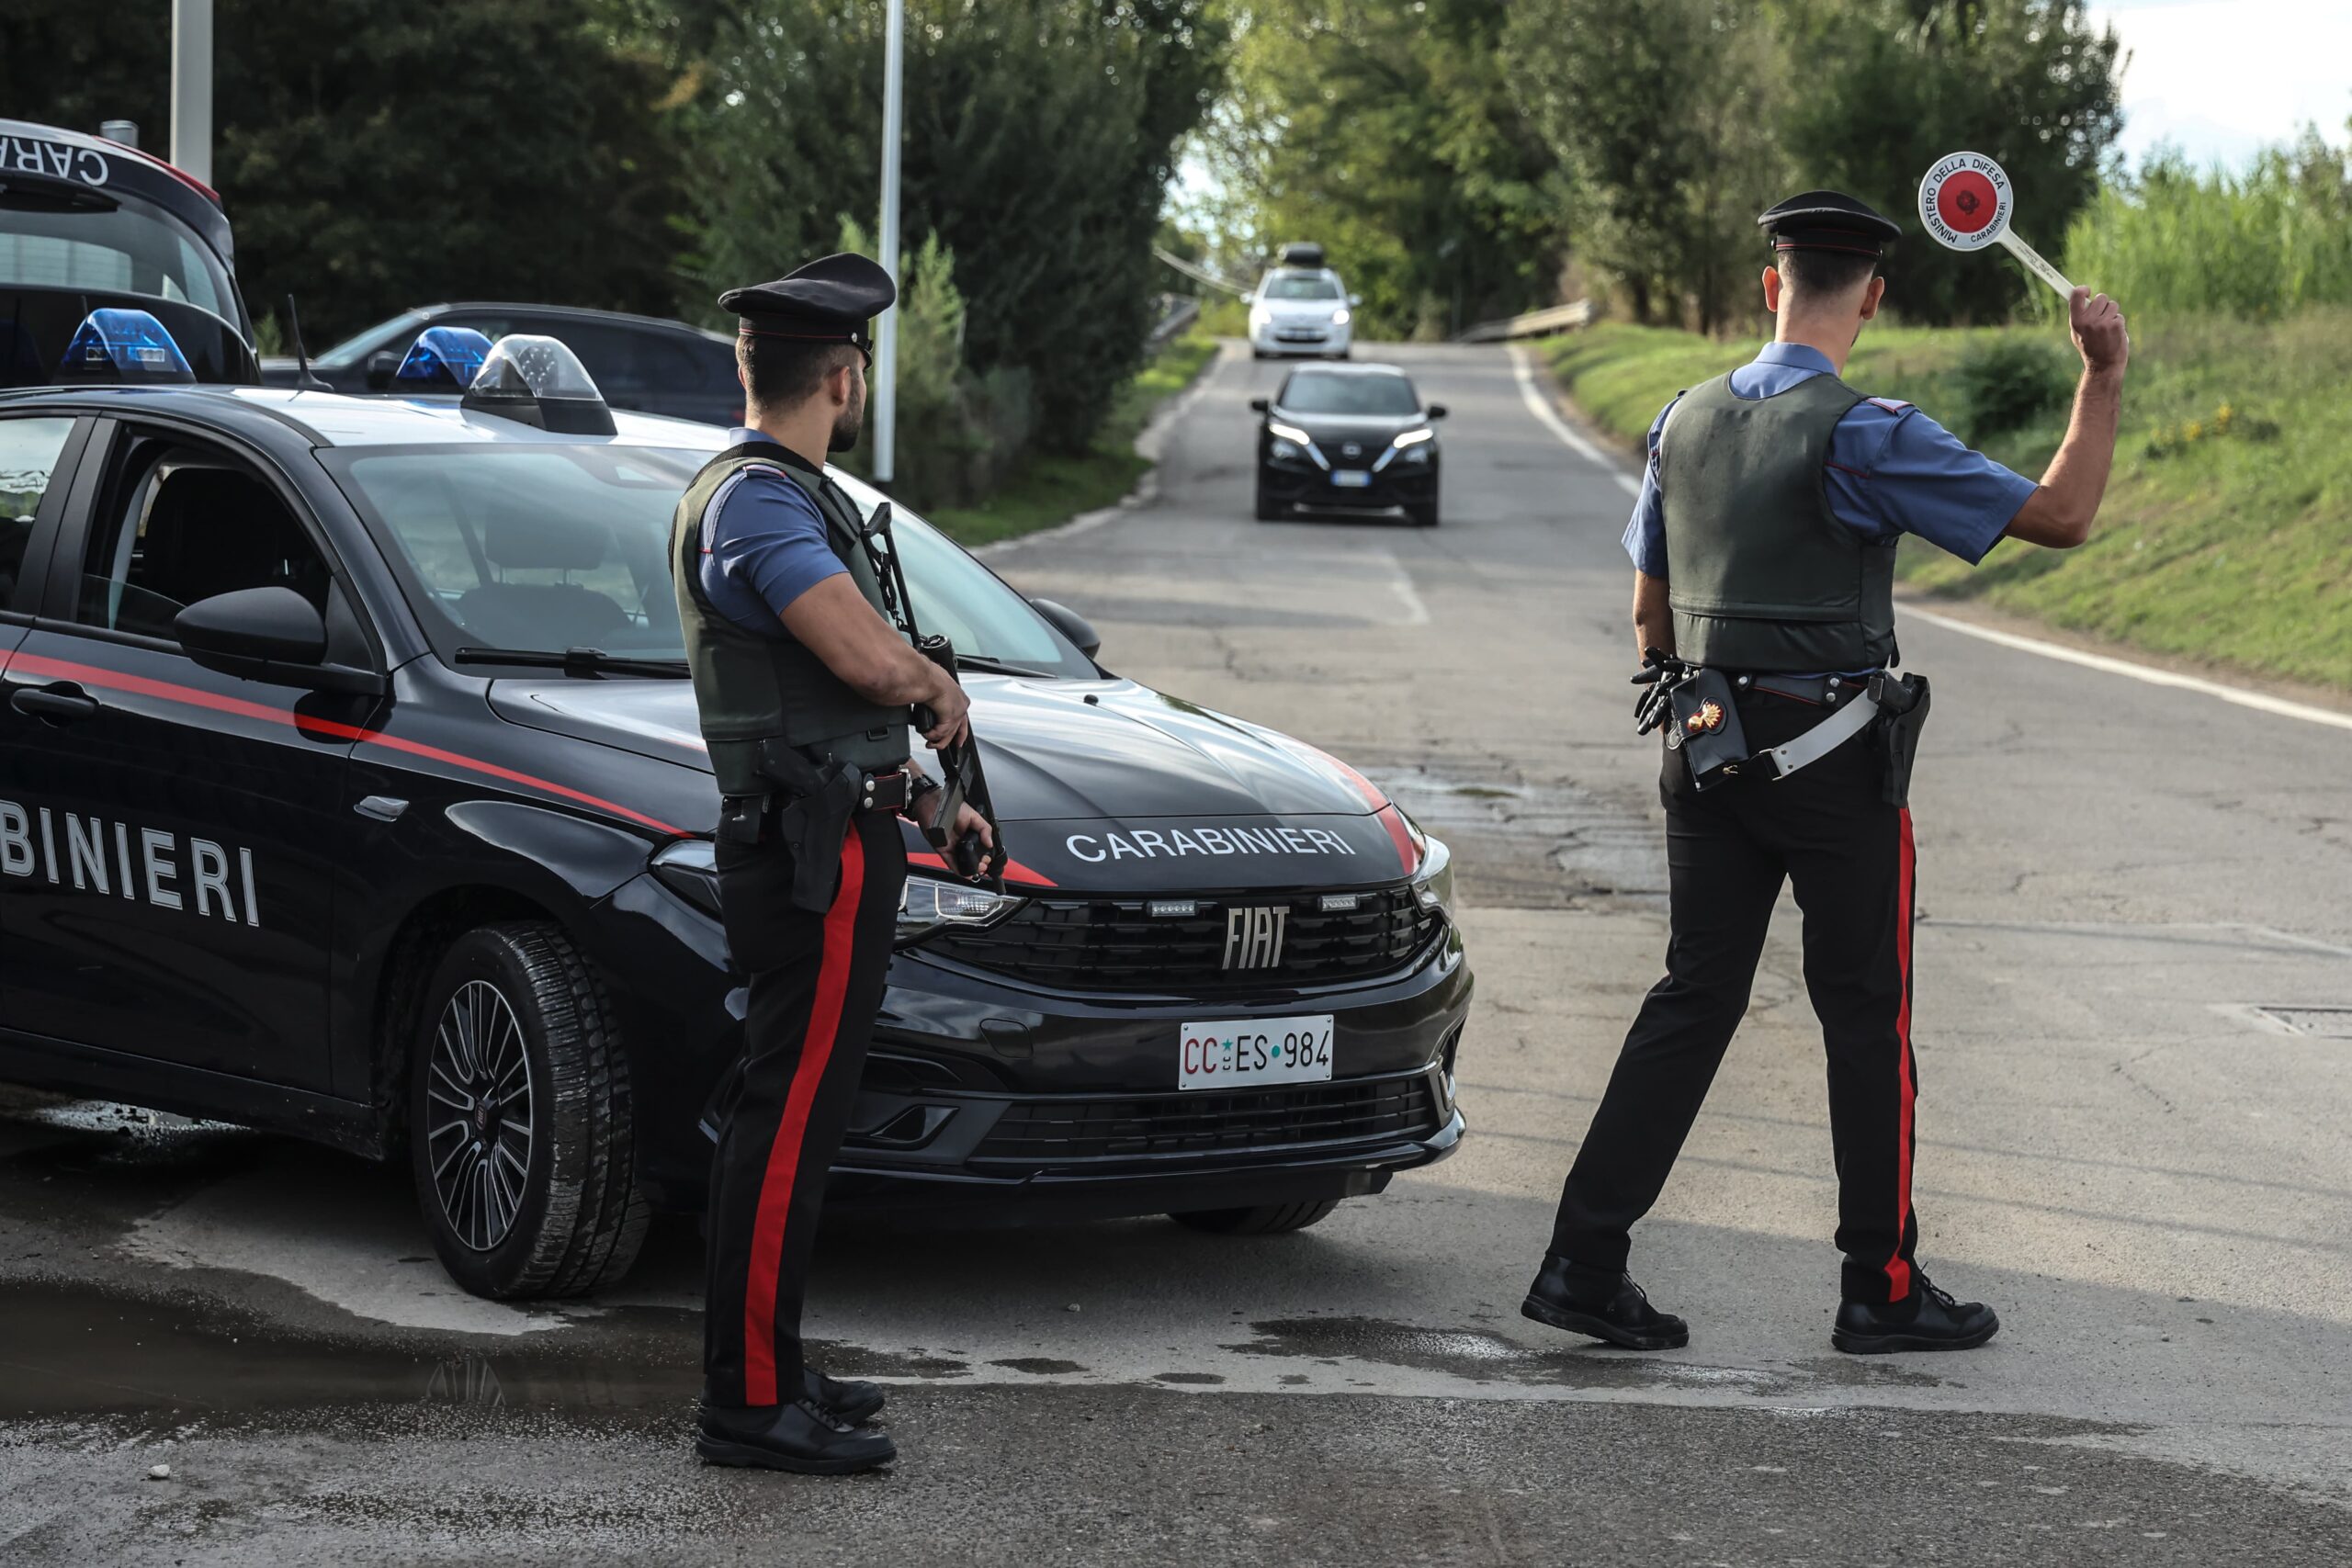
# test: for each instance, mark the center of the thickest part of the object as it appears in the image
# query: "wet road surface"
(2141, 1167)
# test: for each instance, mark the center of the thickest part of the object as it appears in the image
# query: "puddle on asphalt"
(74, 1351)
(1479, 1357)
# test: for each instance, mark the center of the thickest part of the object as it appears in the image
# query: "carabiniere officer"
(805, 690)
(1763, 546)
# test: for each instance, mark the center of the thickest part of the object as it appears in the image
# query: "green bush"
(2007, 383)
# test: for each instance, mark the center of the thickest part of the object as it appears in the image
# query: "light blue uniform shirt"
(1891, 469)
(764, 544)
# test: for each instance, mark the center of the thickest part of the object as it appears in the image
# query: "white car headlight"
(1339, 317)
(929, 903)
(1434, 883)
(1286, 450)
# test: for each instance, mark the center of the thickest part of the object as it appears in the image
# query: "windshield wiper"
(986, 666)
(580, 661)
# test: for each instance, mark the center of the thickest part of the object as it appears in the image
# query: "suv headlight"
(1285, 451)
(690, 868)
(930, 903)
(1434, 883)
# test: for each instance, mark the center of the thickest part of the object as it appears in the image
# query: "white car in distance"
(1301, 311)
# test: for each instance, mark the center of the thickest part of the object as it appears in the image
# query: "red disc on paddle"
(1967, 202)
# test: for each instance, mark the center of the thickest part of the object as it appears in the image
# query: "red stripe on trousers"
(783, 1154)
(1898, 1267)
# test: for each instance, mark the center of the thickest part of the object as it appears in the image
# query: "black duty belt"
(875, 792)
(1707, 730)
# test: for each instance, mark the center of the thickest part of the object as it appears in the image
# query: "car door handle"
(58, 704)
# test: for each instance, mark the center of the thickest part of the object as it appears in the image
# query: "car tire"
(1264, 508)
(1425, 514)
(517, 1007)
(1263, 1219)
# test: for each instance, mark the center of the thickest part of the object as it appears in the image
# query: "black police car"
(1347, 438)
(87, 224)
(639, 362)
(334, 800)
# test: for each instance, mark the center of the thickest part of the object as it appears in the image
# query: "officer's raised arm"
(2059, 511)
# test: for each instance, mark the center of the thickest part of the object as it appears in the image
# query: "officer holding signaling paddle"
(1763, 546)
(805, 689)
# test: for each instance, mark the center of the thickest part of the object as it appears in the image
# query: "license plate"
(1350, 478)
(1258, 1051)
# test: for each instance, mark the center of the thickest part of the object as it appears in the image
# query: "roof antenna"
(304, 381)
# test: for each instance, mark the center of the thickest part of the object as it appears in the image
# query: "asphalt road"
(2145, 1173)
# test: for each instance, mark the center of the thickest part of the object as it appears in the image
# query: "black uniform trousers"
(815, 982)
(1828, 830)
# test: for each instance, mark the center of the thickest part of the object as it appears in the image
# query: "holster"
(1902, 713)
(1706, 727)
(812, 819)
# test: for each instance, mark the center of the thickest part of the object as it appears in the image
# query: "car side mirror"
(382, 365)
(1261, 404)
(1355, 299)
(1437, 410)
(1072, 624)
(266, 633)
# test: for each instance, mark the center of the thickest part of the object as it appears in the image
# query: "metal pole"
(885, 339)
(192, 87)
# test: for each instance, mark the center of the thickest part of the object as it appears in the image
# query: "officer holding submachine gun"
(806, 667)
(1763, 546)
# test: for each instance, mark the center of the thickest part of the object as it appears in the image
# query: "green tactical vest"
(1761, 576)
(752, 688)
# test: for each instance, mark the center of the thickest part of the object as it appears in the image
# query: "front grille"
(1102, 945)
(1038, 1134)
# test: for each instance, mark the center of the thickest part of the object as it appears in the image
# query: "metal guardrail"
(1177, 313)
(1197, 273)
(1535, 323)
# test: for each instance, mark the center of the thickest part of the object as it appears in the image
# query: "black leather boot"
(1927, 1320)
(855, 1402)
(1601, 1305)
(802, 1437)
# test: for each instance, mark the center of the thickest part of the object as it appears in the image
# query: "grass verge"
(1045, 491)
(2227, 531)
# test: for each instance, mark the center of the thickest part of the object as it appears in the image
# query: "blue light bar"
(443, 360)
(114, 344)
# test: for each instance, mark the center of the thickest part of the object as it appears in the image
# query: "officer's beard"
(847, 426)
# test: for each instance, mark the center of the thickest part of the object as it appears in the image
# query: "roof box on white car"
(1302, 252)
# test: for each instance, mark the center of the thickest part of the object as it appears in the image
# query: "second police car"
(348, 787)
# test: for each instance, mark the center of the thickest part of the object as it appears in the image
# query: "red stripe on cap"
(792, 1130)
(195, 697)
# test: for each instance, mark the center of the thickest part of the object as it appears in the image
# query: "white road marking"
(1540, 405)
(2260, 701)
(1415, 613)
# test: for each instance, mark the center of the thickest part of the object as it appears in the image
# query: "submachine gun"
(960, 761)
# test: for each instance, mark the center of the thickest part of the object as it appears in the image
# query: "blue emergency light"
(128, 346)
(443, 360)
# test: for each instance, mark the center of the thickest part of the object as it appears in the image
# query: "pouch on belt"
(1706, 727)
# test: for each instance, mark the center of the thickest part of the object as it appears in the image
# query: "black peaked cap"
(1827, 220)
(829, 300)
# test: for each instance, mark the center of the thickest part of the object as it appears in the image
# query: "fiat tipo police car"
(350, 787)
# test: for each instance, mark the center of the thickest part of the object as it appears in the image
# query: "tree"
(1041, 137)
(1895, 85)
(379, 154)
(1386, 132)
(1663, 117)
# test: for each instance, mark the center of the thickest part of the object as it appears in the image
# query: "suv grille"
(1118, 945)
(1036, 1133)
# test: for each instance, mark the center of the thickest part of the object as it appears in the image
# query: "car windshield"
(552, 546)
(347, 352)
(109, 247)
(1311, 391)
(1300, 285)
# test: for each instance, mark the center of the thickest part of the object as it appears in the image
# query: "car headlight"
(1339, 317)
(1434, 883)
(1416, 454)
(690, 868)
(1286, 451)
(929, 904)
(1421, 437)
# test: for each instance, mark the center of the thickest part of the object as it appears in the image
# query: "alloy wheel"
(478, 1135)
